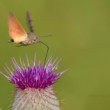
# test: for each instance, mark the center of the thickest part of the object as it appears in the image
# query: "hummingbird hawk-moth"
(19, 35)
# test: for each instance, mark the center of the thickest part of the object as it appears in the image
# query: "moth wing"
(16, 31)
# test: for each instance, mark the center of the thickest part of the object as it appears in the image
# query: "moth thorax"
(33, 37)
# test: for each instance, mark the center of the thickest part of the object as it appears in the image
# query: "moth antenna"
(30, 22)
(46, 52)
(11, 40)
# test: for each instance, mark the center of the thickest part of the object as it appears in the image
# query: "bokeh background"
(80, 36)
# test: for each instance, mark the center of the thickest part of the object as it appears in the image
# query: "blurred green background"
(81, 37)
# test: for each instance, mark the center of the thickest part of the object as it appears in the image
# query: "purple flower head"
(33, 76)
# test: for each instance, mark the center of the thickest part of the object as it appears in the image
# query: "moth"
(19, 35)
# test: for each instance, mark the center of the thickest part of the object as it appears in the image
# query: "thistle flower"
(34, 90)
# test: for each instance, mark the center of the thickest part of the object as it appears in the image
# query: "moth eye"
(12, 40)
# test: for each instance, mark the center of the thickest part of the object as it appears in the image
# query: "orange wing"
(16, 31)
